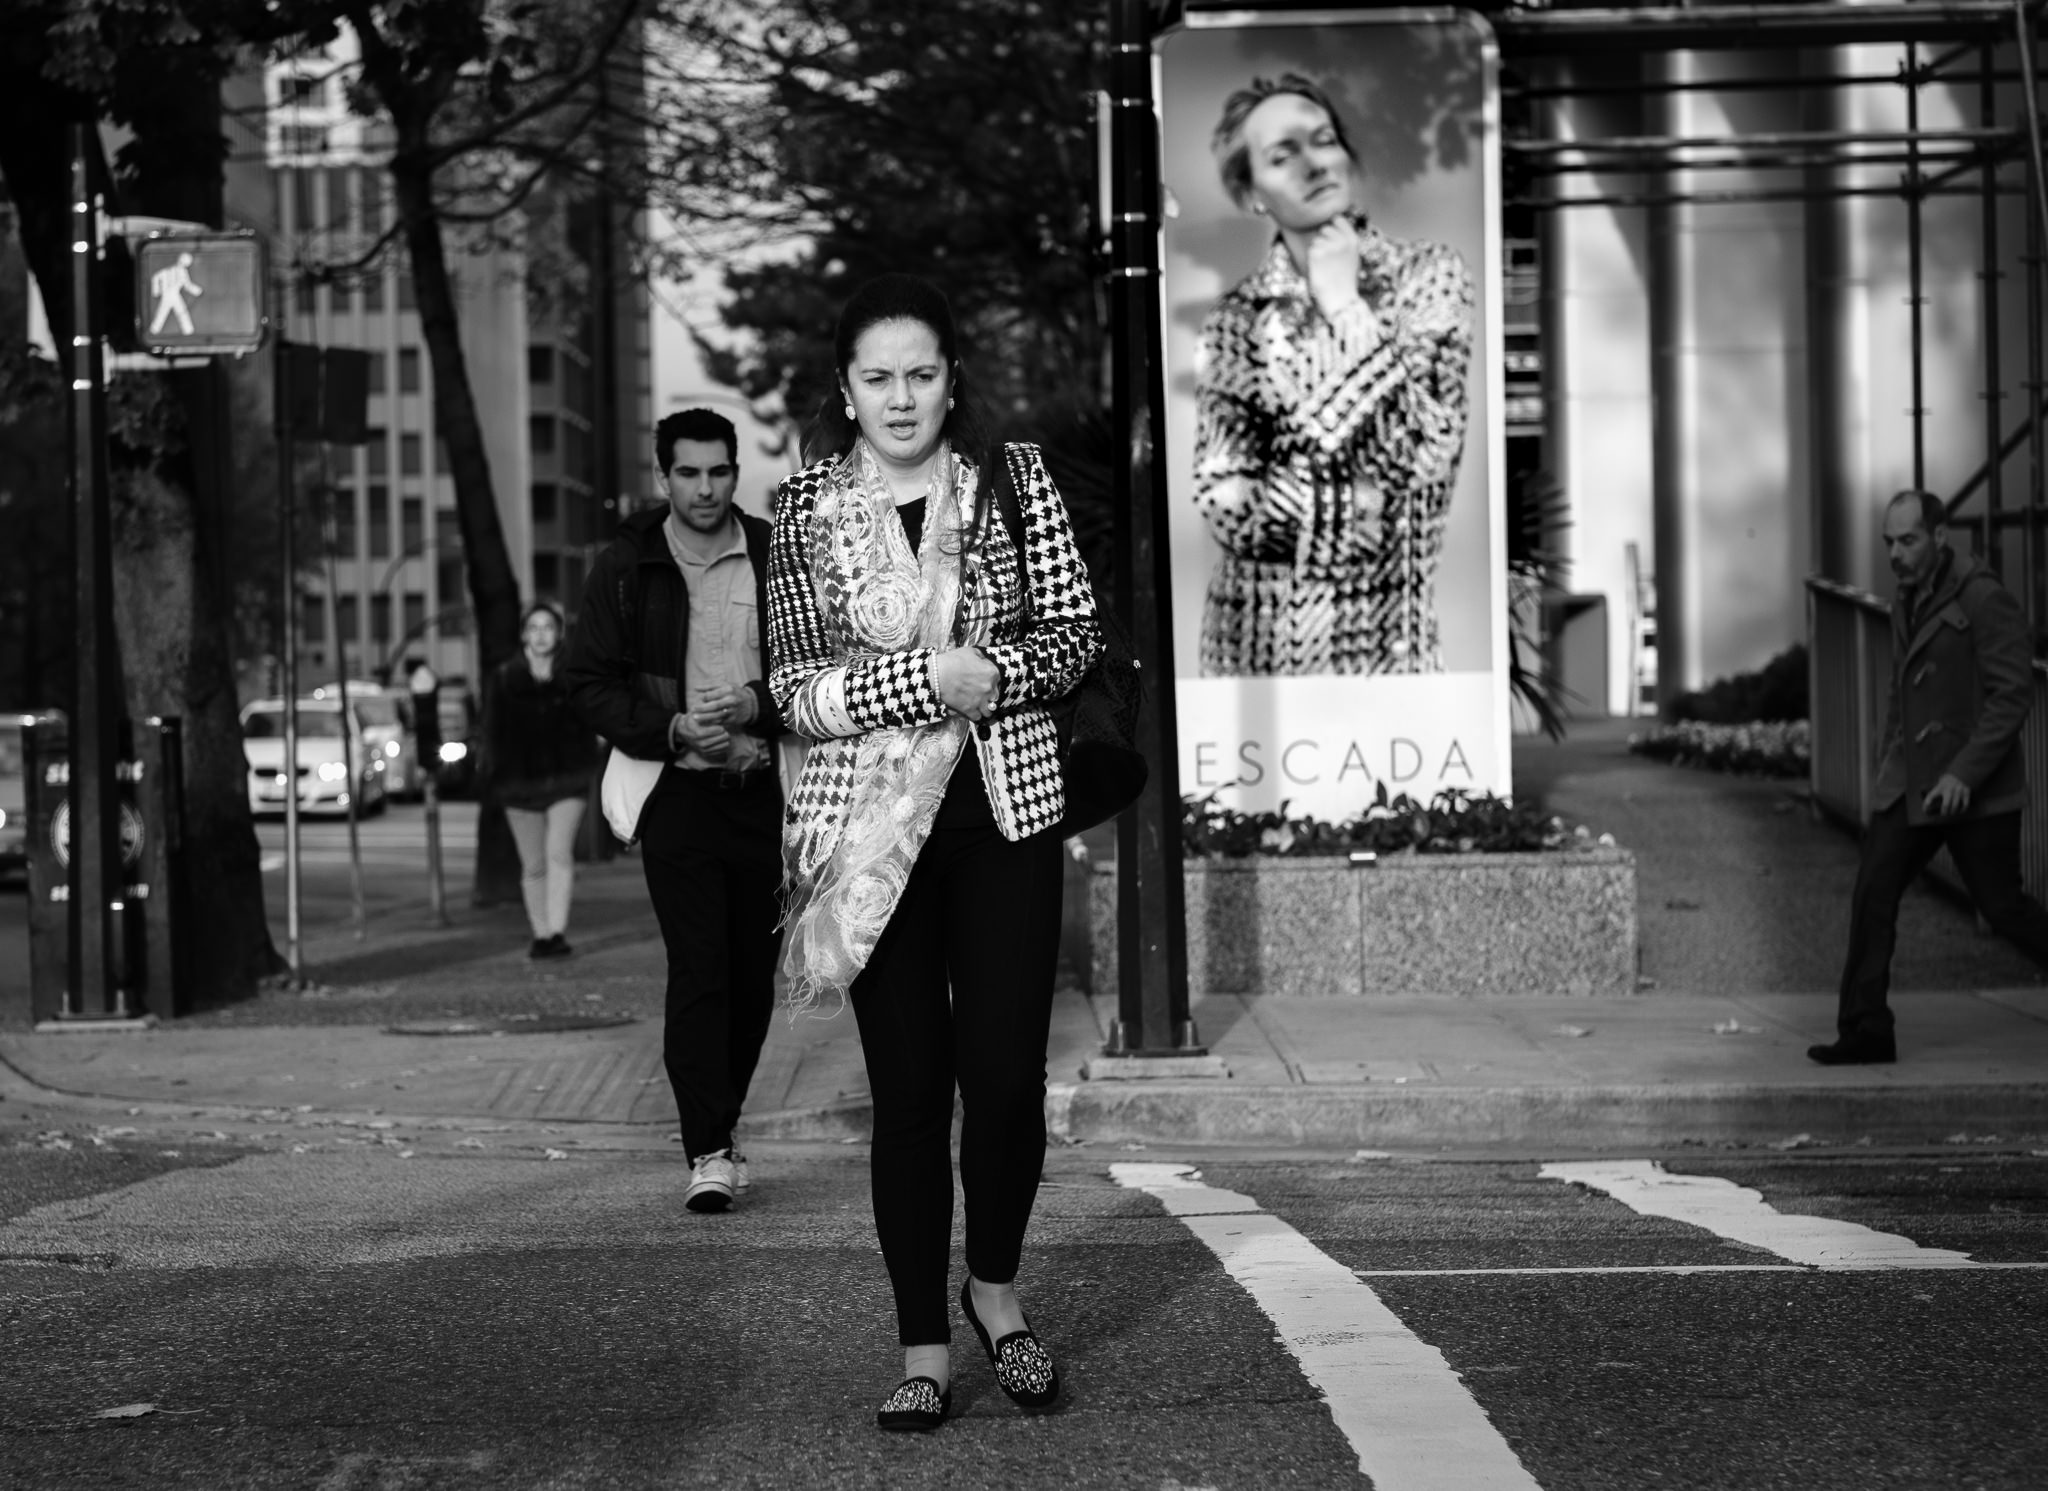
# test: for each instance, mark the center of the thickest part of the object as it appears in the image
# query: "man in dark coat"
(667, 663)
(1950, 770)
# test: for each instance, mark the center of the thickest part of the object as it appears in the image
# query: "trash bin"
(150, 952)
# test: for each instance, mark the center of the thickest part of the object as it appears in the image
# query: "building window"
(302, 298)
(338, 215)
(302, 139)
(547, 574)
(376, 452)
(411, 455)
(302, 91)
(447, 531)
(313, 617)
(540, 434)
(544, 504)
(344, 499)
(380, 620)
(376, 372)
(345, 628)
(415, 613)
(304, 213)
(452, 594)
(572, 578)
(540, 364)
(576, 462)
(373, 290)
(380, 522)
(412, 525)
(373, 201)
(408, 370)
(406, 299)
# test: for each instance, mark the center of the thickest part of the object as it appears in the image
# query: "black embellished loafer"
(1865, 1050)
(1024, 1368)
(916, 1407)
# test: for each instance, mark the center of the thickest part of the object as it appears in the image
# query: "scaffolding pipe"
(1735, 198)
(1916, 299)
(1737, 27)
(1957, 164)
(2037, 240)
(1991, 542)
(1786, 139)
(1535, 93)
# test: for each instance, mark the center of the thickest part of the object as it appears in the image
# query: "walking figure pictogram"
(170, 286)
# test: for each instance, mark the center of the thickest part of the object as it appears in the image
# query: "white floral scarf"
(876, 596)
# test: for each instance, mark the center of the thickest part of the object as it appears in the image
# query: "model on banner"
(1330, 410)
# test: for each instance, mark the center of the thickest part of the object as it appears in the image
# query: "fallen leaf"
(469, 1144)
(126, 1411)
(1574, 1031)
(1797, 1141)
(1734, 1027)
(554, 1154)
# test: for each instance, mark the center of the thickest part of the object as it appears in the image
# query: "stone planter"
(1561, 923)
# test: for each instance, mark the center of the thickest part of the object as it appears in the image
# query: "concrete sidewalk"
(1743, 907)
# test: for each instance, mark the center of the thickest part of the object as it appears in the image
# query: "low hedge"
(1763, 748)
(1451, 822)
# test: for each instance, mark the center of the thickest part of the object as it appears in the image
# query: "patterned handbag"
(1101, 768)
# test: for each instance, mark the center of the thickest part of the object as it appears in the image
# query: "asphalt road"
(376, 1308)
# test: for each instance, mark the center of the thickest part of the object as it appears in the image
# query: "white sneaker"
(713, 1179)
(741, 1180)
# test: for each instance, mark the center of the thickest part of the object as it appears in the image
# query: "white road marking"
(1622, 1268)
(1407, 1414)
(1742, 1215)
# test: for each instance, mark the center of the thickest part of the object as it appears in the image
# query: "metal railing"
(1849, 655)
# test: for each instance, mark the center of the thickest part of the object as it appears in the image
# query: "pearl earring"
(849, 411)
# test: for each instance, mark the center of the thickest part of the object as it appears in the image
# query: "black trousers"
(713, 857)
(1986, 852)
(959, 991)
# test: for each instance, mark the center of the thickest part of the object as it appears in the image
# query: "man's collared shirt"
(724, 647)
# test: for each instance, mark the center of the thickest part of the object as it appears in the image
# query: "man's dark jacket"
(1961, 686)
(626, 679)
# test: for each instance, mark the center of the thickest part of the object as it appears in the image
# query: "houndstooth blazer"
(1325, 454)
(1040, 659)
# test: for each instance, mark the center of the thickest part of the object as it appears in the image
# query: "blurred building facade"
(544, 364)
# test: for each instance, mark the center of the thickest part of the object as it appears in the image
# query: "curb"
(1336, 1117)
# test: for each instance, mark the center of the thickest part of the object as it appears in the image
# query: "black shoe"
(539, 949)
(916, 1407)
(1024, 1368)
(558, 946)
(1859, 1050)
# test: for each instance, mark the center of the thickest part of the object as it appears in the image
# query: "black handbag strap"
(1009, 506)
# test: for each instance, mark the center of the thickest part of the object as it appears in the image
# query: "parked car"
(322, 772)
(387, 725)
(13, 803)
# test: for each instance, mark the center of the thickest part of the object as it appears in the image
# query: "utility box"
(1576, 626)
(152, 924)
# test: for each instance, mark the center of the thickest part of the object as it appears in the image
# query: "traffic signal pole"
(1152, 973)
(95, 888)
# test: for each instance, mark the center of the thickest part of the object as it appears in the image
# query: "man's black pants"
(1986, 852)
(712, 848)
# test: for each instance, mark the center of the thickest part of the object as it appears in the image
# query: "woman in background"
(538, 759)
(1330, 411)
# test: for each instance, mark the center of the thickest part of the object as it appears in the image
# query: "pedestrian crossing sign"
(200, 293)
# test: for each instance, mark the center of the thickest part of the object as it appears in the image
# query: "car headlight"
(3, 817)
(332, 771)
(391, 749)
(452, 751)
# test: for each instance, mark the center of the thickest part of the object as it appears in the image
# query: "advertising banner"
(1331, 303)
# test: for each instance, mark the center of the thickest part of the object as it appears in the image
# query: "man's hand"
(708, 738)
(1948, 798)
(966, 682)
(732, 706)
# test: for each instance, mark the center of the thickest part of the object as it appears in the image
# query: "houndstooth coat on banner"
(1325, 454)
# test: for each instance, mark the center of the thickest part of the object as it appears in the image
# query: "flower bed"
(1765, 748)
(1467, 895)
